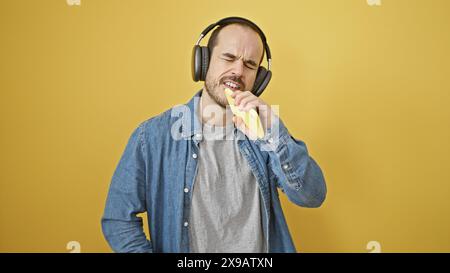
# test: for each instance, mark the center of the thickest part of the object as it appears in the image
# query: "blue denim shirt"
(158, 168)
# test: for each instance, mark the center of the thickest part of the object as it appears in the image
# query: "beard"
(217, 92)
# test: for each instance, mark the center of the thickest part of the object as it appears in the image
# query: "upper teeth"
(230, 84)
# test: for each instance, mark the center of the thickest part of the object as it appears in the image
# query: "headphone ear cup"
(196, 63)
(264, 84)
(205, 62)
(262, 80)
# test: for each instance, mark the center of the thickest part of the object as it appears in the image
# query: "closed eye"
(250, 66)
(230, 58)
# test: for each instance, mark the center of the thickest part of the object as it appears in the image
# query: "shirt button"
(270, 140)
(194, 156)
(285, 166)
(186, 190)
(186, 224)
(198, 136)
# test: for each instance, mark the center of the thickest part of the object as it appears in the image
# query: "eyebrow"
(231, 56)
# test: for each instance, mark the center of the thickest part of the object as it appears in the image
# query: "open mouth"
(234, 86)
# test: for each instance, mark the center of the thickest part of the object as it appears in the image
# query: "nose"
(238, 68)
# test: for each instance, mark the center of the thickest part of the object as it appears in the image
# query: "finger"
(248, 106)
(240, 96)
(250, 99)
(238, 121)
(235, 93)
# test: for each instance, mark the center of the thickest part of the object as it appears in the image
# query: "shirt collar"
(190, 123)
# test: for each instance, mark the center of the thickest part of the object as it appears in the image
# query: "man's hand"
(246, 100)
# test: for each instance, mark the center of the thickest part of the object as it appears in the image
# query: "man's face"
(234, 62)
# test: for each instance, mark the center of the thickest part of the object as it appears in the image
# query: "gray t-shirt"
(226, 202)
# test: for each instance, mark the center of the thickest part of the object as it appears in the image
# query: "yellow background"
(366, 87)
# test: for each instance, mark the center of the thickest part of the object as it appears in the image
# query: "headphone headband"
(231, 20)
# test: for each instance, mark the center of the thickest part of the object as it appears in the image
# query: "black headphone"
(201, 54)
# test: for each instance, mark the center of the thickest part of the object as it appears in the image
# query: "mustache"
(235, 79)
